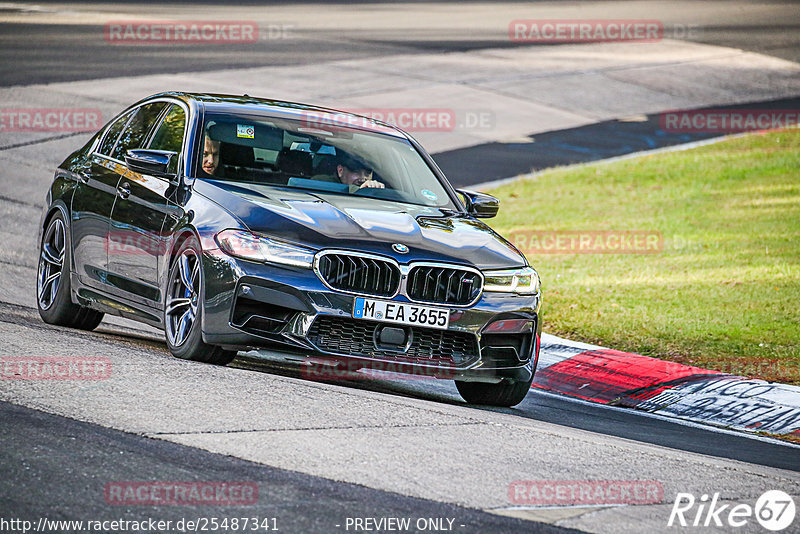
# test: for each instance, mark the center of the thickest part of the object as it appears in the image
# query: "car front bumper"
(250, 305)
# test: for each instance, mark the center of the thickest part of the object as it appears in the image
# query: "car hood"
(325, 220)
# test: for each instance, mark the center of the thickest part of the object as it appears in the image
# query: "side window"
(113, 133)
(169, 135)
(135, 133)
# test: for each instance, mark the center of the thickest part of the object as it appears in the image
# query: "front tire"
(502, 394)
(183, 309)
(52, 281)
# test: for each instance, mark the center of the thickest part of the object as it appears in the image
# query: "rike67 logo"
(774, 510)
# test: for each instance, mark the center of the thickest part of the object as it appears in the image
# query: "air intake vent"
(357, 274)
(443, 285)
(353, 337)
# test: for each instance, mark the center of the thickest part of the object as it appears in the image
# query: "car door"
(139, 215)
(92, 204)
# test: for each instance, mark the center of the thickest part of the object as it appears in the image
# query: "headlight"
(245, 245)
(523, 281)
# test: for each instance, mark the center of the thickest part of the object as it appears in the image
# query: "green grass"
(724, 293)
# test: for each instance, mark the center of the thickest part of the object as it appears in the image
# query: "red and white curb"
(608, 376)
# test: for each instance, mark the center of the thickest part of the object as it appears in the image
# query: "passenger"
(210, 163)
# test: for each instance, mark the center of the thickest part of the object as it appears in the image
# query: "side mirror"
(152, 162)
(480, 205)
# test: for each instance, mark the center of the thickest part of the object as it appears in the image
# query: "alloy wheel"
(183, 297)
(51, 263)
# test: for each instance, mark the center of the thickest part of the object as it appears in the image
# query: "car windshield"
(311, 154)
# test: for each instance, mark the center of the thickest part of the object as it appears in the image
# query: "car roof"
(222, 103)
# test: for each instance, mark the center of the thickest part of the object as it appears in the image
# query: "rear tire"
(502, 394)
(183, 310)
(52, 281)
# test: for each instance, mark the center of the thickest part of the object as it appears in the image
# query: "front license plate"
(400, 312)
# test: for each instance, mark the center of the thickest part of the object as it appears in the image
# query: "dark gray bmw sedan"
(237, 223)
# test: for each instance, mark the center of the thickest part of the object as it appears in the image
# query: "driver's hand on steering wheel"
(371, 183)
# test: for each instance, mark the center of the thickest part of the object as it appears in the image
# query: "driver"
(354, 172)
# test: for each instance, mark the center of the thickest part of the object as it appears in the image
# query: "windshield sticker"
(430, 195)
(243, 130)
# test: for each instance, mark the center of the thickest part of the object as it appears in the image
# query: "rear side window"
(135, 133)
(113, 133)
(169, 135)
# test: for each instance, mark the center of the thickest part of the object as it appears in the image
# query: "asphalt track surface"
(607, 139)
(82, 457)
(70, 48)
(538, 405)
(56, 467)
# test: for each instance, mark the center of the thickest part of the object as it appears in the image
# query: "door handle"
(124, 190)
